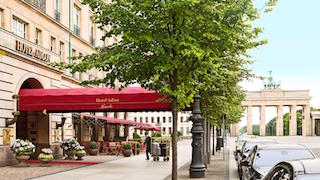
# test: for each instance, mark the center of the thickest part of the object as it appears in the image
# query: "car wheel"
(281, 173)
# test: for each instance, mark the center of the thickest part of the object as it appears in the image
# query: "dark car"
(308, 169)
(247, 146)
(263, 157)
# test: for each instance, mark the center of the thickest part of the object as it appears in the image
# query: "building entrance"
(33, 125)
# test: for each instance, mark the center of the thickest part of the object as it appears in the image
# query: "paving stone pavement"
(36, 170)
(135, 167)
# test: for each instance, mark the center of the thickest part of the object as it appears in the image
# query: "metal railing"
(57, 15)
(92, 41)
(76, 30)
(39, 4)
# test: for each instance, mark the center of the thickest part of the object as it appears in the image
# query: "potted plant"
(68, 145)
(126, 150)
(80, 152)
(136, 148)
(23, 149)
(93, 149)
(45, 156)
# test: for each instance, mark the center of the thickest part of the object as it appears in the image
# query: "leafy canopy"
(176, 47)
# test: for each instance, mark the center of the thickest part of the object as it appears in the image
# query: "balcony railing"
(57, 15)
(92, 41)
(158, 124)
(40, 4)
(76, 30)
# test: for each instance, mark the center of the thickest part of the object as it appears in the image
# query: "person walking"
(148, 143)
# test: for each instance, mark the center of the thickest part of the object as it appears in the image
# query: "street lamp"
(197, 167)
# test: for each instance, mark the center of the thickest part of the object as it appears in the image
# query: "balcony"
(92, 41)
(39, 4)
(76, 30)
(57, 15)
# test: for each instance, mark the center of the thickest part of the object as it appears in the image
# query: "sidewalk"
(219, 168)
(135, 167)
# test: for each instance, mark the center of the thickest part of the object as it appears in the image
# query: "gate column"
(293, 120)
(249, 120)
(262, 124)
(279, 124)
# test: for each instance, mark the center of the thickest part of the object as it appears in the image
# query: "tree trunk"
(174, 140)
(209, 142)
(204, 144)
(213, 140)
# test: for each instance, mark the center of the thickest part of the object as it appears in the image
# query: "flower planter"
(22, 160)
(80, 154)
(45, 162)
(126, 152)
(70, 154)
(93, 152)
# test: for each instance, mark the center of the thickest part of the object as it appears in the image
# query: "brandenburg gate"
(273, 96)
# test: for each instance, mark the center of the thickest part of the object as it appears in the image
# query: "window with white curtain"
(19, 27)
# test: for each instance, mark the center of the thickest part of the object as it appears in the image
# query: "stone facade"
(162, 120)
(279, 98)
(32, 36)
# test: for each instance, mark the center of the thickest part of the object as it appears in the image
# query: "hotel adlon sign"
(33, 52)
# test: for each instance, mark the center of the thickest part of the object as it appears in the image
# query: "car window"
(309, 177)
(270, 157)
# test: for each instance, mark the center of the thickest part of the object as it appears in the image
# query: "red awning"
(92, 99)
(111, 120)
(137, 125)
(147, 127)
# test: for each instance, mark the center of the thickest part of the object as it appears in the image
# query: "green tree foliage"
(255, 130)
(271, 126)
(174, 47)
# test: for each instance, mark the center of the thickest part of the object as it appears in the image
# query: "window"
(38, 37)
(135, 119)
(164, 130)
(40, 4)
(73, 53)
(158, 120)
(61, 51)
(188, 130)
(141, 119)
(169, 130)
(152, 119)
(181, 130)
(91, 33)
(181, 119)
(53, 44)
(1, 18)
(164, 119)
(140, 132)
(170, 120)
(76, 20)
(19, 27)
(147, 121)
(57, 10)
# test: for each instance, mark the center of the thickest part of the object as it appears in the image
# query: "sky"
(292, 53)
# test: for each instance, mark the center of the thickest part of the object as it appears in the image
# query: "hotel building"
(34, 33)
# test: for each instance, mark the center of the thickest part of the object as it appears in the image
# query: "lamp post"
(197, 168)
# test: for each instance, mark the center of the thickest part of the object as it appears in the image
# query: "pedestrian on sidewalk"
(148, 143)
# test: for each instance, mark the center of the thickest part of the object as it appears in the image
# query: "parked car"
(263, 157)
(239, 142)
(247, 146)
(307, 169)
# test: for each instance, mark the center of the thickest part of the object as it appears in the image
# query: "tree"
(255, 129)
(174, 47)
